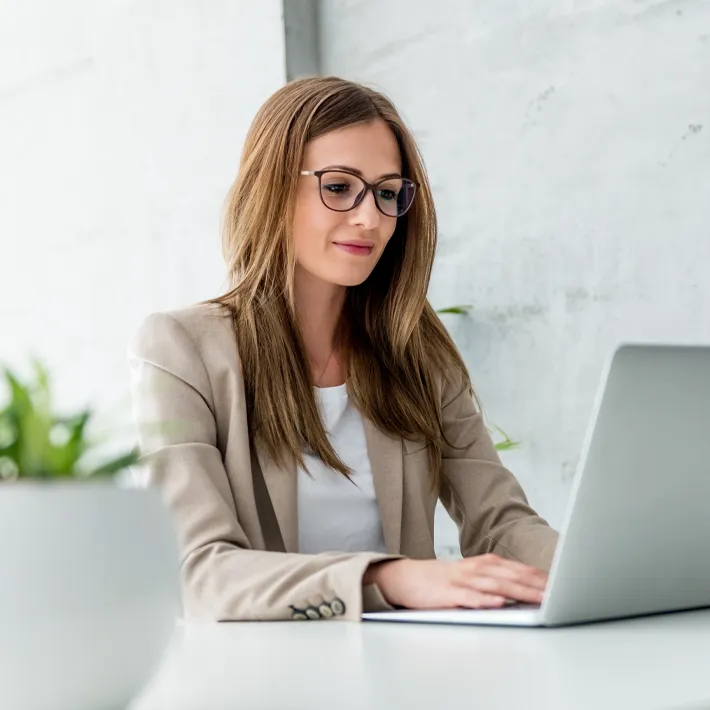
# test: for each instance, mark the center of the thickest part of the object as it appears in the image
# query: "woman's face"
(342, 248)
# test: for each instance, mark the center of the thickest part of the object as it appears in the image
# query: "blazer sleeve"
(484, 498)
(223, 579)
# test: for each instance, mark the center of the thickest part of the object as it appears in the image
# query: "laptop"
(636, 536)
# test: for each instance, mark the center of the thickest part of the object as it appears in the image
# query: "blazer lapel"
(385, 454)
(281, 482)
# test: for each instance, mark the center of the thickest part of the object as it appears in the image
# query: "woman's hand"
(485, 581)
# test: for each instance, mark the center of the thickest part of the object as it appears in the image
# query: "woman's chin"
(353, 278)
(340, 275)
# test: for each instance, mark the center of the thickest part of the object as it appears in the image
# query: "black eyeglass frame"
(368, 187)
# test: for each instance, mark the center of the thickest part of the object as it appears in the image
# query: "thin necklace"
(327, 362)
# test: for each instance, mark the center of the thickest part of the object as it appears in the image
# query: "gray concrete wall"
(568, 144)
(121, 126)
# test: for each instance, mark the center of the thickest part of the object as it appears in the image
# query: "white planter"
(89, 593)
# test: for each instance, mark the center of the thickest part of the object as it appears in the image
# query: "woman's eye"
(336, 188)
(388, 195)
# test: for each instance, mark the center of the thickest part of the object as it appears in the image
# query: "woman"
(313, 414)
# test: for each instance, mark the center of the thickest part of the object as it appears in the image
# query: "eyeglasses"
(342, 191)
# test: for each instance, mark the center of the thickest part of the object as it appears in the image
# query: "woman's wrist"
(374, 573)
(370, 576)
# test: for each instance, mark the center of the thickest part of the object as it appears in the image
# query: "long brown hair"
(396, 350)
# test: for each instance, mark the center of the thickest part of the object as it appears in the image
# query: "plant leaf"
(62, 458)
(458, 310)
(507, 444)
(117, 464)
(20, 400)
(29, 413)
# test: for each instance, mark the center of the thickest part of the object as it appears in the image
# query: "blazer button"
(326, 611)
(313, 613)
(338, 607)
(299, 616)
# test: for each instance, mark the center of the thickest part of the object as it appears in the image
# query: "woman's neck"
(319, 305)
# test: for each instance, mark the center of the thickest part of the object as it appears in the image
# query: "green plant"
(507, 443)
(458, 310)
(35, 442)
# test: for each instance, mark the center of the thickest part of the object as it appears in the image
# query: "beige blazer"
(236, 511)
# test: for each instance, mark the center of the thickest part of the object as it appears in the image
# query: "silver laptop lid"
(636, 538)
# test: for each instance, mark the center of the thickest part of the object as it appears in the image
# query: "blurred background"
(567, 142)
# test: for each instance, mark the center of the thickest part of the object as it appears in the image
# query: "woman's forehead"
(370, 148)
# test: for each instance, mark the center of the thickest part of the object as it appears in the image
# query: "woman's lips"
(355, 248)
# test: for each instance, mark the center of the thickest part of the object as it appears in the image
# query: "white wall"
(568, 143)
(121, 125)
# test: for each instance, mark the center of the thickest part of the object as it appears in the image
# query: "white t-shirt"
(336, 514)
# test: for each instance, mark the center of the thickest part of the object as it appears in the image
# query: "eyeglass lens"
(340, 192)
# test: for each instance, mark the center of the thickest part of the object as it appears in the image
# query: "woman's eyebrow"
(359, 172)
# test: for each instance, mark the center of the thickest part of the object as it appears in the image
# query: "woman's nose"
(366, 213)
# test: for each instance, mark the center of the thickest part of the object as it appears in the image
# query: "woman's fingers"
(529, 578)
(498, 586)
(472, 599)
(494, 566)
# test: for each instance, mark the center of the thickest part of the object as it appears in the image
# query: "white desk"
(656, 662)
